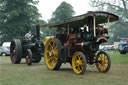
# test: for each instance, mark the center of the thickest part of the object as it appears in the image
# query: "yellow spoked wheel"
(103, 62)
(53, 54)
(79, 63)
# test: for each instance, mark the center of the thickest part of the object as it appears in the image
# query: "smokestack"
(38, 31)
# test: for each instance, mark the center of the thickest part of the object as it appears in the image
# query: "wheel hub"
(51, 54)
(103, 62)
(27, 57)
(14, 51)
(78, 62)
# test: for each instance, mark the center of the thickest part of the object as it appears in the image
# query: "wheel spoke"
(54, 46)
(81, 66)
(55, 51)
(105, 66)
(78, 69)
(105, 62)
(55, 59)
(49, 59)
(50, 47)
(79, 57)
(101, 57)
(14, 52)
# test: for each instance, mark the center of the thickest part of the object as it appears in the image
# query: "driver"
(28, 36)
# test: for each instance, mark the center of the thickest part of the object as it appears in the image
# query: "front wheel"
(103, 62)
(79, 63)
(28, 57)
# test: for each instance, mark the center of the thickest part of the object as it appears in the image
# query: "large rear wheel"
(16, 51)
(79, 63)
(103, 62)
(52, 54)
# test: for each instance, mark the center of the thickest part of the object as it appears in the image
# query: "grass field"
(38, 74)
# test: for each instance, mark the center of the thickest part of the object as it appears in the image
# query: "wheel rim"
(77, 63)
(51, 54)
(27, 57)
(13, 52)
(102, 62)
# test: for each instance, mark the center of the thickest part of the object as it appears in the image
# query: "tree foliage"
(17, 17)
(63, 11)
(118, 7)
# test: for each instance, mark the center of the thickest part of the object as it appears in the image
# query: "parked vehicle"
(109, 47)
(123, 46)
(77, 41)
(101, 47)
(6, 44)
(4, 51)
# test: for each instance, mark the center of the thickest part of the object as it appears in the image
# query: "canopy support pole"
(94, 25)
(68, 29)
(108, 25)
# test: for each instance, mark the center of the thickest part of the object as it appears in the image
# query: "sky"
(47, 7)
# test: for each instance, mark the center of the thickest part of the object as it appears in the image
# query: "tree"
(17, 17)
(118, 7)
(63, 11)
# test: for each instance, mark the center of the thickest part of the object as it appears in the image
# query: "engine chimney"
(38, 31)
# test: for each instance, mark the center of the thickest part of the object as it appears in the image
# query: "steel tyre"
(52, 54)
(103, 62)
(16, 51)
(79, 63)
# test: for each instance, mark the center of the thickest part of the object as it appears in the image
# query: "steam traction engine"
(31, 50)
(77, 41)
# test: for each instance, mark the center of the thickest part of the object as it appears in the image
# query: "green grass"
(118, 58)
(38, 74)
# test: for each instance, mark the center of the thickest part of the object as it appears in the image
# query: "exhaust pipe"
(38, 31)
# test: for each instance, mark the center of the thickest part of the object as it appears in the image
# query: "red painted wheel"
(28, 57)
